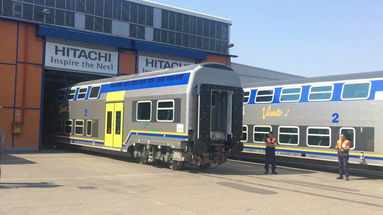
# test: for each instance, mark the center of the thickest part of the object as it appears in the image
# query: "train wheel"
(176, 165)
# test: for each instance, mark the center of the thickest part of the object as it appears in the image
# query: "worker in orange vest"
(343, 147)
(271, 142)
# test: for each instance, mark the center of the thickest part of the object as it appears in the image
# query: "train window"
(89, 128)
(68, 126)
(355, 91)
(94, 92)
(245, 133)
(71, 94)
(246, 97)
(58, 126)
(61, 95)
(320, 93)
(144, 111)
(350, 135)
(118, 122)
(291, 94)
(318, 137)
(288, 135)
(109, 122)
(165, 111)
(264, 96)
(82, 93)
(79, 127)
(261, 132)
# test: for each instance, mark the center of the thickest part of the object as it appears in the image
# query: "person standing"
(343, 148)
(271, 142)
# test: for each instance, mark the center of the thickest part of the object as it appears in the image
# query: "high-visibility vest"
(340, 144)
(270, 142)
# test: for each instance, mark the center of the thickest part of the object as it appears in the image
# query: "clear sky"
(303, 37)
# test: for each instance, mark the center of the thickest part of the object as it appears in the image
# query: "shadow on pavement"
(28, 185)
(13, 159)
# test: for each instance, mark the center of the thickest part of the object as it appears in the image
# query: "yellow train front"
(183, 115)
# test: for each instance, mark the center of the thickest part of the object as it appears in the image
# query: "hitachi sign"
(84, 54)
(147, 63)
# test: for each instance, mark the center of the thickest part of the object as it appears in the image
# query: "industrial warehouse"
(51, 44)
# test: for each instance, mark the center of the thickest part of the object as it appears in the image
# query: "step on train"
(307, 116)
(189, 114)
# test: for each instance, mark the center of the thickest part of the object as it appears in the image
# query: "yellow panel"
(109, 124)
(115, 96)
(118, 124)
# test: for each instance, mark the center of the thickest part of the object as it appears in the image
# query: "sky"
(302, 37)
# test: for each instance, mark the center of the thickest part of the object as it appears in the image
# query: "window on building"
(245, 133)
(68, 126)
(264, 96)
(89, 128)
(144, 111)
(165, 111)
(320, 93)
(246, 97)
(94, 92)
(356, 91)
(319, 137)
(79, 127)
(82, 93)
(288, 135)
(350, 135)
(58, 126)
(261, 132)
(291, 94)
(71, 94)
(89, 8)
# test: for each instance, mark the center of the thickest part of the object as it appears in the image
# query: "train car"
(189, 114)
(307, 116)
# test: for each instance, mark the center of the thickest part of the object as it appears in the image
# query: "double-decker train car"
(188, 114)
(307, 116)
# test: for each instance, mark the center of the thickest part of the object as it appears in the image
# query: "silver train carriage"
(189, 114)
(307, 116)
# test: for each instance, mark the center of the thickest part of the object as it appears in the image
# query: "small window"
(350, 135)
(89, 128)
(71, 94)
(319, 137)
(118, 122)
(109, 122)
(68, 126)
(94, 92)
(320, 93)
(245, 133)
(144, 111)
(61, 95)
(261, 132)
(79, 127)
(58, 126)
(165, 111)
(288, 135)
(291, 94)
(264, 96)
(246, 97)
(356, 91)
(82, 93)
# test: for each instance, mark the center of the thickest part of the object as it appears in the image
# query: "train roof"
(352, 76)
(189, 68)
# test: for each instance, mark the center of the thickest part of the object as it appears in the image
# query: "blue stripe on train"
(85, 141)
(153, 82)
(313, 153)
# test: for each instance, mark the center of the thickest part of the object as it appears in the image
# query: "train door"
(114, 124)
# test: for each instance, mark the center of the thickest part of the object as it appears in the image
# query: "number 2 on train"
(335, 118)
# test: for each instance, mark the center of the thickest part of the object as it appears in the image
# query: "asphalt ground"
(68, 182)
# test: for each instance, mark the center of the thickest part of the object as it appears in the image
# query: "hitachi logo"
(84, 54)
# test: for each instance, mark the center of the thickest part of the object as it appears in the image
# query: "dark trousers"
(270, 159)
(343, 164)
